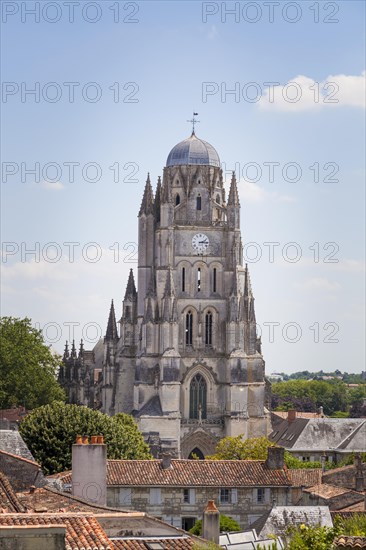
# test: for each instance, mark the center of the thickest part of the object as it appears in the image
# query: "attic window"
(154, 545)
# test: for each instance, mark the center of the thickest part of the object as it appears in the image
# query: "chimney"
(89, 470)
(276, 458)
(291, 415)
(321, 412)
(359, 481)
(211, 523)
(166, 461)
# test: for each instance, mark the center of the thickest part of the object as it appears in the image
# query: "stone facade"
(186, 360)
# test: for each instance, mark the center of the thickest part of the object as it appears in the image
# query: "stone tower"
(187, 361)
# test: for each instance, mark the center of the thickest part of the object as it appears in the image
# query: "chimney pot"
(166, 461)
(85, 440)
(79, 440)
(211, 522)
(100, 439)
(291, 415)
(94, 439)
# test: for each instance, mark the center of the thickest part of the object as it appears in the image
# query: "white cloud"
(251, 192)
(52, 185)
(303, 93)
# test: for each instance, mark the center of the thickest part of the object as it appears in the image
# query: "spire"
(157, 201)
(251, 315)
(233, 199)
(234, 288)
(81, 348)
(112, 333)
(66, 352)
(73, 350)
(130, 293)
(147, 204)
(246, 284)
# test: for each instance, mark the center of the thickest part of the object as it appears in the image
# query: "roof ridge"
(20, 457)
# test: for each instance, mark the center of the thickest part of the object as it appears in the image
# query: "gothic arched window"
(198, 397)
(198, 202)
(189, 328)
(208, 329)
(177, 199)
(214, 279)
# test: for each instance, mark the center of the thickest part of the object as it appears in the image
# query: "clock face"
(200, 242)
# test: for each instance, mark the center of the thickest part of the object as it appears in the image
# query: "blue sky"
(165, 62)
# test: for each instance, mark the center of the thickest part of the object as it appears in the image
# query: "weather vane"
(193, 121)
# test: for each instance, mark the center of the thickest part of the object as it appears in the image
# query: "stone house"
(177, 491)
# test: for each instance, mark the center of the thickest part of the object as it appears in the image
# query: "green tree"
(50, 431)
(237, 448)
(227, 524)
(27, 367)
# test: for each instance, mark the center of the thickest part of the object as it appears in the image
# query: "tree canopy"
(50, 431)
(27, 366)
(226, 524)
(255, 448)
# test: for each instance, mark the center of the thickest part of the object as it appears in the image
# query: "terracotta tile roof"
(51, 500)
(305, 477)
(82, 531)
(14, 414)
(192, 473)
(9, 501)
(350, 542)
(324, 490)
(171, 543)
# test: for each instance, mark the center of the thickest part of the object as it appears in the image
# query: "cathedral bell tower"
(187, 362)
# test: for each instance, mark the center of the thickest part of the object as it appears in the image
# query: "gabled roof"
(281, 517)
(321, 434)
(151, 408)
(82, 531)
(326, 491)
(9, 501)
(23, 459)
(12, 442)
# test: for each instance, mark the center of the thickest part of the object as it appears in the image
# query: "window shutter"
(234, 496)
(155, 495)
(125, 496)
(192, 496)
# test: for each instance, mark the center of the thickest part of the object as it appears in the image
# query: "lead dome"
(193, 151)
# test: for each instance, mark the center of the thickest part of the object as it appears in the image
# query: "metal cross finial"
(193, 121)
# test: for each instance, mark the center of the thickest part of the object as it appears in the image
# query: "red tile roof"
(324, 490)
(14, 414)
(350, 542)
(172, 543)
(192, 473)
(305, 477)
(83, 532)
(9, 501)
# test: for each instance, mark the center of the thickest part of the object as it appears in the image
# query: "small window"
(225, 496)
(183, 279)
(189, 496)
(189, 328)
(214, 279)
(198, 202)
(199, 279)
(208, 329)
(261, 494)
(177, 199)
(218, 199)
